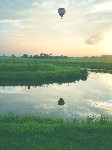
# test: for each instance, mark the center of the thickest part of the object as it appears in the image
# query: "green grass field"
(21, 71)
(34, 133)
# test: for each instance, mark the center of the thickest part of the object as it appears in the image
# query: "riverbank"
(32, 133)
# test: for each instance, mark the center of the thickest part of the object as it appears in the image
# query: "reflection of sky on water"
(82, 98)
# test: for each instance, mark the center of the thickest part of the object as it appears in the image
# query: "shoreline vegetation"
(33, 72)
(28, 132)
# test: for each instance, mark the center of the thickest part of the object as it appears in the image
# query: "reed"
(28, 132)
(37, 72)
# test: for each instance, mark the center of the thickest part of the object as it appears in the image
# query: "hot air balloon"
(61, 12)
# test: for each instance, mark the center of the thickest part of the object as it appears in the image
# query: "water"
(81, 98)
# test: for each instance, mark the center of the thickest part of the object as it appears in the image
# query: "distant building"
(107, 56)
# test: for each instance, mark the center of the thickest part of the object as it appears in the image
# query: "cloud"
(16, 9)
(44, 4)
(96, 38)
(105, 6)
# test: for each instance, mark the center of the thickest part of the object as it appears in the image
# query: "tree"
(25, 56)
(13, 56)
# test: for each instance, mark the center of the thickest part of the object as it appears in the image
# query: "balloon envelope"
(61, 11)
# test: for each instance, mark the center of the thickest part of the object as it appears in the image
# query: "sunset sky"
(34, 27)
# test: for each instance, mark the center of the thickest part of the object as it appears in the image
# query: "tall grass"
(34, 133)
(35, 72)
(19, 71)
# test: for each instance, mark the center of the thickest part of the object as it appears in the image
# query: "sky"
(34, 26)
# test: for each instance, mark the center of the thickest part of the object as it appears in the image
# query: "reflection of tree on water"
(61, 102)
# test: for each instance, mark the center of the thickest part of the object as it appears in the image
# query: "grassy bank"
(32, 133)
(37, 72)
(19, 71)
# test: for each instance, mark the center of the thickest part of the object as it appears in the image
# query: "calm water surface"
(82, 98)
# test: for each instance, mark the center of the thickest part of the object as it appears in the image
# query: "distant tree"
(13, 56)
(41, 55)
(35, 56)
(25, 56)
(44, 55)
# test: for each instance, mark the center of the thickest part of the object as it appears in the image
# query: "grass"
(19, 71)
(37, 72)
(34, 133)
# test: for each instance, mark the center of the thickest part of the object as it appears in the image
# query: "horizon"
(29, 55)
(34, 26)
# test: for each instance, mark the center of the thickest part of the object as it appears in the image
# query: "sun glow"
(107, 42)
(109, 49)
